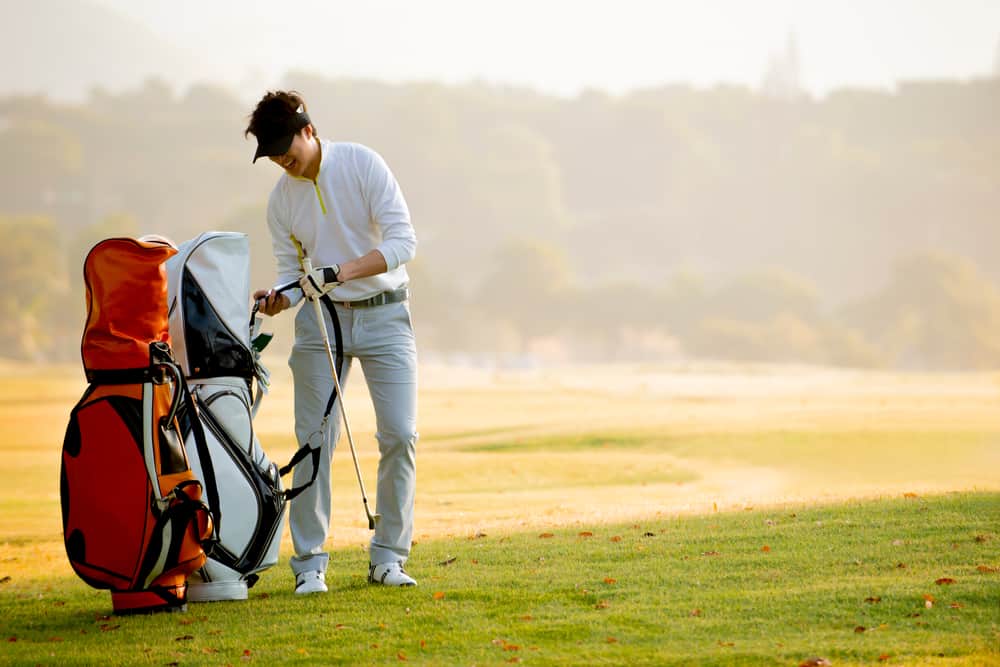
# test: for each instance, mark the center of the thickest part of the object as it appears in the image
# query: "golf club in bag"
(133, 520)
(211, 326)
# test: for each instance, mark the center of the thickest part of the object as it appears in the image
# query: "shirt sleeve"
(287, 252)
(388, 210)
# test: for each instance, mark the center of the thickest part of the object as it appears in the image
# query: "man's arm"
(371, 264)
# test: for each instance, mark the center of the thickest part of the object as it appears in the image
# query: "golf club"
(373, 519)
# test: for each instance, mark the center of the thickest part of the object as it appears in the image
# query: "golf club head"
(373, 521)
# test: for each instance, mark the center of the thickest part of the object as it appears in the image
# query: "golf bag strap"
(338, 337)
(306, 449)
(151, 373)
(296, 459)
(209, 482)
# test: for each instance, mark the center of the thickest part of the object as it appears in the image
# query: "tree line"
(858, 229)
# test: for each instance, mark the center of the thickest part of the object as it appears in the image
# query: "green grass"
(680, 590)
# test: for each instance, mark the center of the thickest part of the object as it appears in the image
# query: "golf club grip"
(287, 286)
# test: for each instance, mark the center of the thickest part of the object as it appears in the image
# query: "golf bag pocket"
(243, 488)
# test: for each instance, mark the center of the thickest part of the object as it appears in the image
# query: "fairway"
(565, 451)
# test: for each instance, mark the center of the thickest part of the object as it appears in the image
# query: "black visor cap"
(277, 140)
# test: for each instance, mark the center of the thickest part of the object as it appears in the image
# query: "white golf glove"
(319, 281)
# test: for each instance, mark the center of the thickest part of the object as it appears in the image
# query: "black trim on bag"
(270, 499)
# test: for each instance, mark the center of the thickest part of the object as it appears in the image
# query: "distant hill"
(63, 48)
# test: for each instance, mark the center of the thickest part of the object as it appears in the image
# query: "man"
(339, 205)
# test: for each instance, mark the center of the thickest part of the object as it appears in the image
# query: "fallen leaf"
(5, 579)
(722, 643)
(513, 659)
(884, 657)
(910, 494)
(986, 569)
(901, 566)
(185, 621)
(611, 640)
(209, 650)
(107, 627)
(710, 553)
(263, 596)
(373, 646)
(766, 549)
(695, 612)
(448, 561)
(184, 638)
(944, 581)
(12, 639)
(859, 629)
(616, 538)
(401, 656)
(497, 642)
(956, 605)
(586, 533)
(55, 639)
(897, 543)
(475, 561)
(603, 604)
(546, 536)
(873, 600)
(422, 643)
(815, 662)
(609, 580)
(246, 652)
(648, 534)
(511, 647)
(439, 595)
(982, 538)
(527, 617)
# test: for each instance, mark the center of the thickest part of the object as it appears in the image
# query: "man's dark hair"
(274, 110)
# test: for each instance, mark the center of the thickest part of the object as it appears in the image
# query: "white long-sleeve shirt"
(353, 207)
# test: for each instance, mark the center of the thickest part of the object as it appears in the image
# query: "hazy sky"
(564, 46)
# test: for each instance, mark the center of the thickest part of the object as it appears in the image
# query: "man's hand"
(319, 281)
(270, 302)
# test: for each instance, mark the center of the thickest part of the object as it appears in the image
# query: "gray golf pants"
(381, 338)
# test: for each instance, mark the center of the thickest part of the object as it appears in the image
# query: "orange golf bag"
(133, 519)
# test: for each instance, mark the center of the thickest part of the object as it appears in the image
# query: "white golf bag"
(210, 327)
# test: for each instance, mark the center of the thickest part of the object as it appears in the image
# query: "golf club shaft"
(307, 264)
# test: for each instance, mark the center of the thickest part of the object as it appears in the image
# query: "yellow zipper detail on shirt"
(319, 194)
(299, 250)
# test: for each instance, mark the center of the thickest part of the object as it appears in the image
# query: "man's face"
(301, 154)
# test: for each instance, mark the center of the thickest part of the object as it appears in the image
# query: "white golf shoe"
(389, 574)
(310, 581)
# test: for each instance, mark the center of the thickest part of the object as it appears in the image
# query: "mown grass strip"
(899, 581)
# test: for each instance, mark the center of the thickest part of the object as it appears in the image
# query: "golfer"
(338, 204)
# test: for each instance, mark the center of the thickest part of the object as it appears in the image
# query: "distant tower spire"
(781, 76)
(996, 61)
